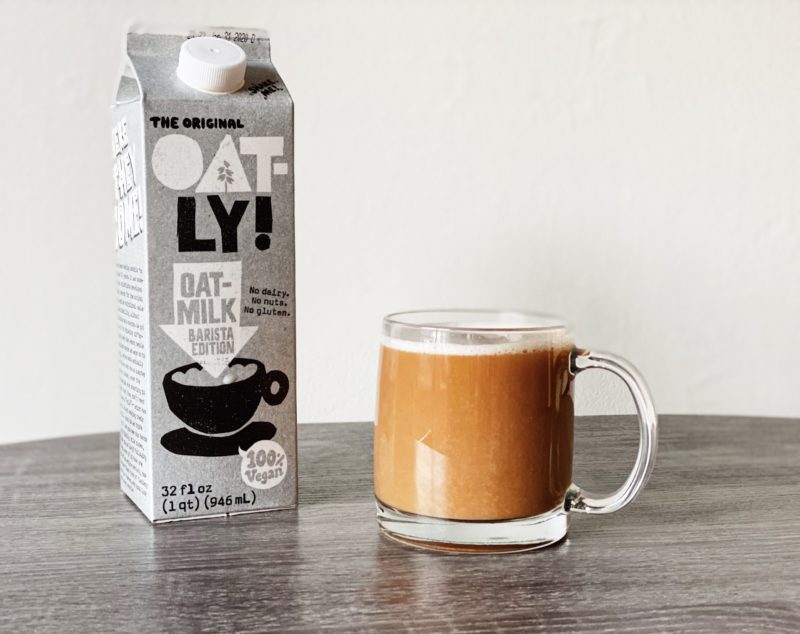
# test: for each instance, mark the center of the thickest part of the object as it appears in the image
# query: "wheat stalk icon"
(225, 174)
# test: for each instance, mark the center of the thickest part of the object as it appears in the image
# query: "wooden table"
(713, 545)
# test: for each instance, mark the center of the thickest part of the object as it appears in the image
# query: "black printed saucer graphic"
(214, 412)
(186, 443)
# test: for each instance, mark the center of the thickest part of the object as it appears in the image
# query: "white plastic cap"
(211, 64)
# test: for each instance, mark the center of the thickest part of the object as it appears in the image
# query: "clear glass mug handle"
(584, 502)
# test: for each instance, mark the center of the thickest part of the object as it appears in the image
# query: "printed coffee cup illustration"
(217, 410)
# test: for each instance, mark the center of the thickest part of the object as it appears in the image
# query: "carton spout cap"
(211, 64)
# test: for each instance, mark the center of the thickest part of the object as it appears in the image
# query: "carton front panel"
(220, 226)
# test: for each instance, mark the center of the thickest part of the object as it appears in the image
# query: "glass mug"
(473, 433)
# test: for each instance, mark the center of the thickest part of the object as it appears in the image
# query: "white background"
(634, 166)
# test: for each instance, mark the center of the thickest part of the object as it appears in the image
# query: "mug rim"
(538, 321)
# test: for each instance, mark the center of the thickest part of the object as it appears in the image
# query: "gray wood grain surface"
(712, 545)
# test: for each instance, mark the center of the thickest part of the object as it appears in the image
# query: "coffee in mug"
(474, 429)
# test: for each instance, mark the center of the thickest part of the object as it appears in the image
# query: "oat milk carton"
(203, 175)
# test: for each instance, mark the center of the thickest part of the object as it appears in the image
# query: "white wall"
(634, 166)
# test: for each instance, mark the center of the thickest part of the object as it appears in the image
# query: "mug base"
(483, 536)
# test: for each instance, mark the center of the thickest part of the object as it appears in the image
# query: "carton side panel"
(136, 474)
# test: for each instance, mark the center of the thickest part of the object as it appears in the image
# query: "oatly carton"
(203, 173)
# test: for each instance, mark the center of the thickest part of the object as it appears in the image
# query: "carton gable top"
(152, 61)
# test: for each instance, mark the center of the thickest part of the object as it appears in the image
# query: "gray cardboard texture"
(204, 211)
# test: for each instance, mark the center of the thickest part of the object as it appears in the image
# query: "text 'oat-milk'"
(204, 185)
